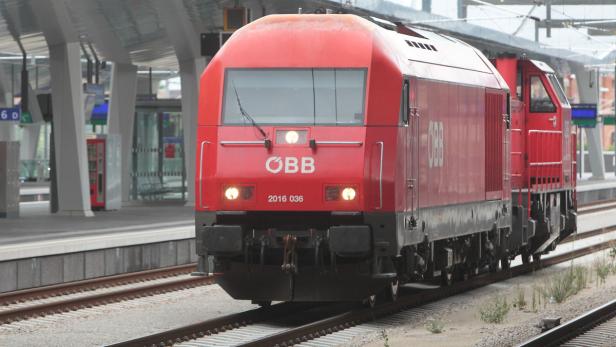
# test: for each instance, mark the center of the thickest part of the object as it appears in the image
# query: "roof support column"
(190, 73)
(121, 118)
(31, 132)
(7, 129)
(588, 89)
(29, 141)
(69, 129)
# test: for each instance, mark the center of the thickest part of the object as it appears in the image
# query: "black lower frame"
(329, 256)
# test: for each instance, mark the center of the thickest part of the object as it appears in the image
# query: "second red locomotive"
(338, 159)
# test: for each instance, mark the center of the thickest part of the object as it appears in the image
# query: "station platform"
(34, 191)
(42, 249)
(590, 190)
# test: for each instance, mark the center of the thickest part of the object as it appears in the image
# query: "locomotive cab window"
(540, 101)
(559, 90)
(294, 96)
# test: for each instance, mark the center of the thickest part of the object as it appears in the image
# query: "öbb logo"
(290, 165)
(436, 144)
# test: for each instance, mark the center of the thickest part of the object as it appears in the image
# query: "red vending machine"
(104, 170)
(96, 170)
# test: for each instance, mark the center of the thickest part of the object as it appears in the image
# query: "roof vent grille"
(414, 44)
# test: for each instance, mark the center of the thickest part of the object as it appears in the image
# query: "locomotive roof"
(414, 51)
(436, 56)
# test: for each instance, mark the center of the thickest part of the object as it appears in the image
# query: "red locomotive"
(338, 159)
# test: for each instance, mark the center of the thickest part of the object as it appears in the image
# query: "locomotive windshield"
(295, 96)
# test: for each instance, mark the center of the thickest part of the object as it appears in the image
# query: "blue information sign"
(584, 115)
(584, 111)
(12, 114)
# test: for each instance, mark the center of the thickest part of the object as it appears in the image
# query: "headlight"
(232, 193)
(348, 194)
(291, 137)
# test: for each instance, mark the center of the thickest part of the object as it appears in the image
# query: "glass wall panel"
(158, 155)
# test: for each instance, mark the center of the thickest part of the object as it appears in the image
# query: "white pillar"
(121, 117)
(588, 89)
(190, 73)
(31, 132)
(7, 131)
(29, 141)
(69, 129)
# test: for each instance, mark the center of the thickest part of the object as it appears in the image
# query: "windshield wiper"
(245, 114)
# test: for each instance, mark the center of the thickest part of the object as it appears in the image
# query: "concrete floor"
(36, 224)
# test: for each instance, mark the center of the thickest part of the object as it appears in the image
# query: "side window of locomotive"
(559, 90)
(518, 88)
(540, 101)
(404, 104)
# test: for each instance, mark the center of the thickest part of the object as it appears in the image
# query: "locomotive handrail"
(538, 163)
(232, 143)
(201, 173)
(535, 131)
(350, 143)
(382, 146)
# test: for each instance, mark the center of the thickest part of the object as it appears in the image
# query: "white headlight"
(232, 193)
(348, 193)
(291, 137)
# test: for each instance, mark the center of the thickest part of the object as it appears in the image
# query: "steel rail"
(74, 304)
(92, 284)
(587, 234)
(574, 327)
(355, 317)
(217, 325)
(596, 206)
(347, 319)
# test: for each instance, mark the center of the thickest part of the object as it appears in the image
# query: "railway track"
(48, 300)
(597, 207)
(594, 328)
(272, 329)
(43, 301)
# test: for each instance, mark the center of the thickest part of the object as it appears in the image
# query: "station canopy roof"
(146, 32)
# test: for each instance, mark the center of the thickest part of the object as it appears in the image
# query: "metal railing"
(544, 169)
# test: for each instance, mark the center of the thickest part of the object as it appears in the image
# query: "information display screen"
(584, 115)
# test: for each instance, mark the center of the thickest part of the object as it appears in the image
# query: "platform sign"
(26, 118)
(609, 120)
(12, 114)
(584, 115)
(99, 114)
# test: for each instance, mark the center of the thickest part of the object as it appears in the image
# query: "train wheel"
(505, 263)
(537, 259)
(493, 266)
(446, 278)
(370, 301)
(525, 257)
(392, 291)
